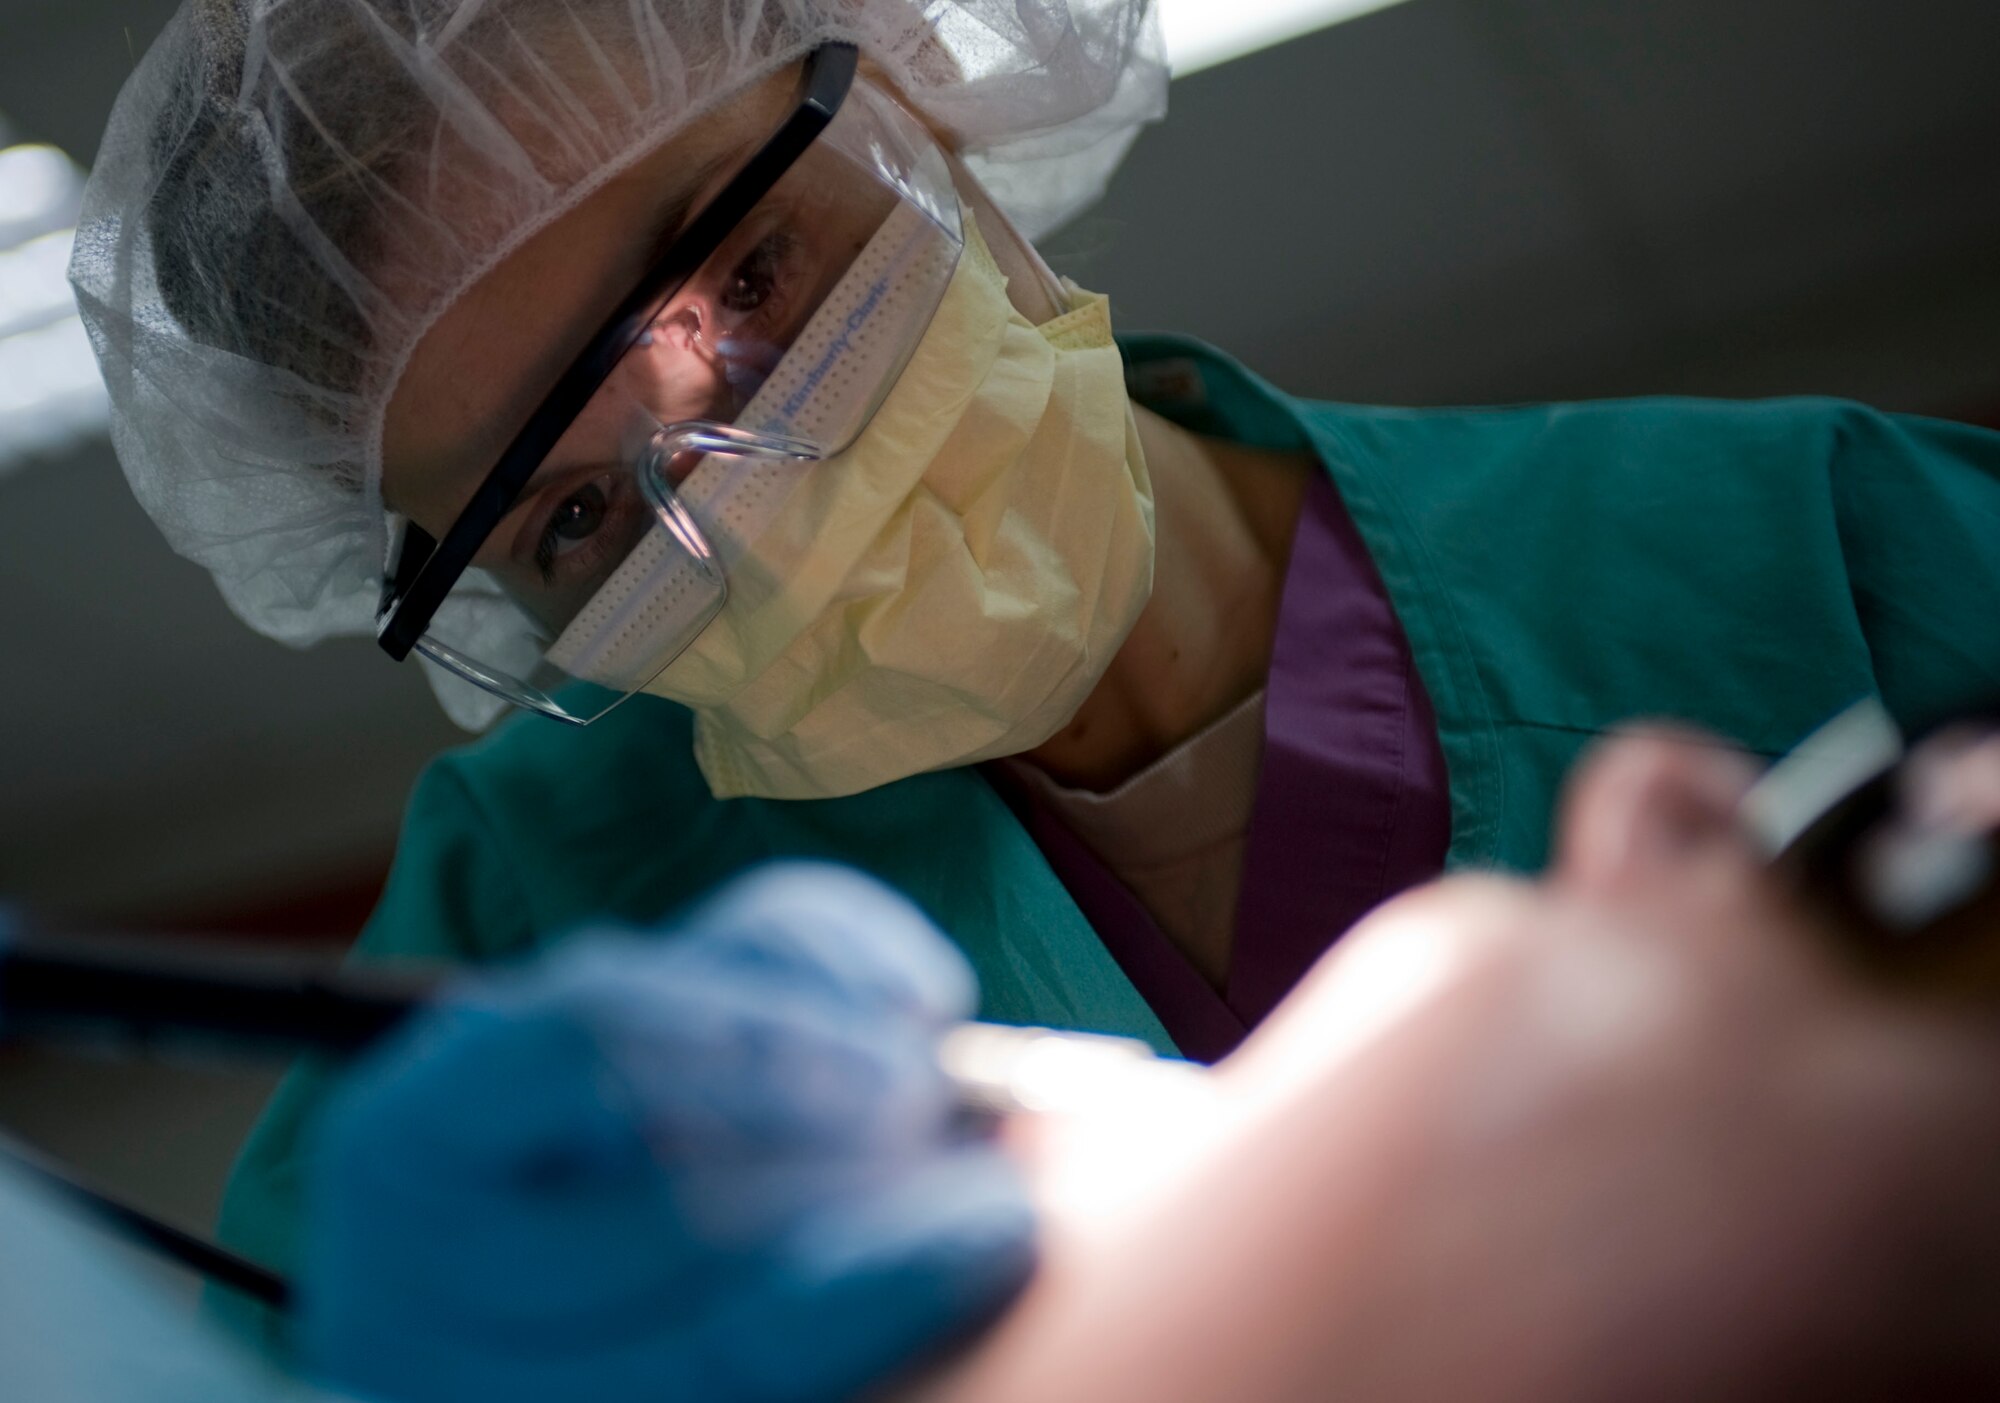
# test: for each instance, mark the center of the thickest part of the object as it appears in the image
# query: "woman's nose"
(1645, 804)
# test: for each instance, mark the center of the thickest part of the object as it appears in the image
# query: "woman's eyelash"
(547, 542)
(764, 265)
(545, 551)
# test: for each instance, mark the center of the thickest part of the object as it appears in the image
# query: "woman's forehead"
(492, 355)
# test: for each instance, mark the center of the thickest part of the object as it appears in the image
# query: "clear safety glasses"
(760, 343)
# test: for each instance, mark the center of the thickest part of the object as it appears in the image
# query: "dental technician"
(654, 365)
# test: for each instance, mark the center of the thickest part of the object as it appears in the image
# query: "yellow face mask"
(950, 588)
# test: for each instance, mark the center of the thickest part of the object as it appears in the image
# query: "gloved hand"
(719, 1166)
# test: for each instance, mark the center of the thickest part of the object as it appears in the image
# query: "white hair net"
(276, 217)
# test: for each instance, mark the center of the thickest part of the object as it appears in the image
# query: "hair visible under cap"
(290, 192)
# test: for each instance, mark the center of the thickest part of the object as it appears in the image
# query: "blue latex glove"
(720, 1166)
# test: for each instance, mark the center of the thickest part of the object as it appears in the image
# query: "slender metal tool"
(135, 993)
(187, 1249)
(1895, 844)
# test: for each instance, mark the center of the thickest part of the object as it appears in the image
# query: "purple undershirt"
(1352, 804)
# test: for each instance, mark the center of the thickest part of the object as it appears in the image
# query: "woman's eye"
(576, 519)
(579, 516)
(755, 279)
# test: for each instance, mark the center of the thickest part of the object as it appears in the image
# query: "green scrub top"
(1559, 570)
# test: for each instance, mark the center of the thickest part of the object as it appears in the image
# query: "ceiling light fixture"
(1203, 33)
(50, 393)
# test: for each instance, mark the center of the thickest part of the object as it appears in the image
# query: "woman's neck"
(1223, 522)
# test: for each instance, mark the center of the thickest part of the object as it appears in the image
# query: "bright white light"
(34, 285)
(50, 393)
(40, 189)
(1203, 33)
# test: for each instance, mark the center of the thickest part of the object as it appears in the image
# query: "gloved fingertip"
(865, 1292)
(962, 1228)
(872, 943)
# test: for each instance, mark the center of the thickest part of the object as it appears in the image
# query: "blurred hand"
(1627, 1133)
(720, 1166)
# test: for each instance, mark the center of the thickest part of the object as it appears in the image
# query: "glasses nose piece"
(688, 443)
(682, 446)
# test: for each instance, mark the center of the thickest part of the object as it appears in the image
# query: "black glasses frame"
(426, 568)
